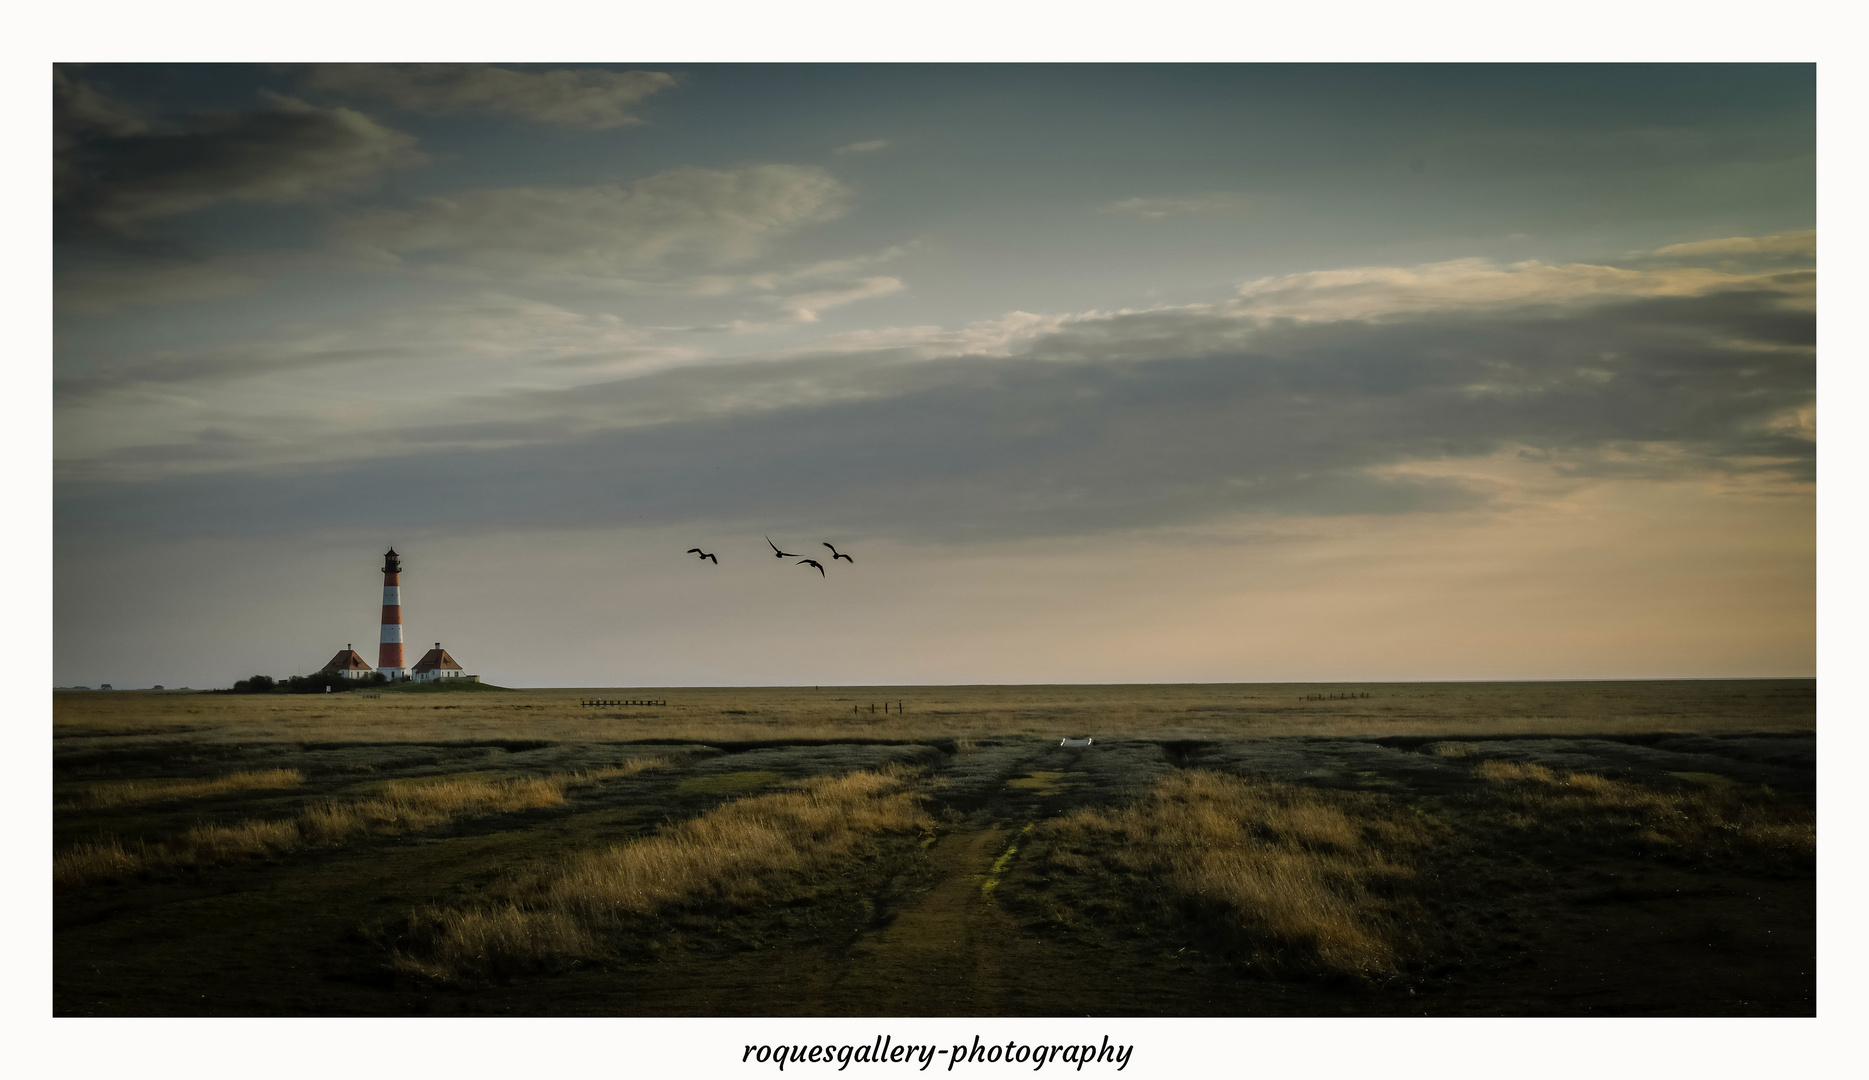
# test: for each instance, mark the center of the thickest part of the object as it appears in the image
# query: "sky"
(1136, 373)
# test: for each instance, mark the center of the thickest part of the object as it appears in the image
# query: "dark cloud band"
(117, 172)
(1088, 430)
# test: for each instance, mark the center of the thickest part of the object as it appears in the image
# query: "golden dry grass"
(1290, 873)
(111, 793)
(402, 806)
(733, 858)
(203, 845)
(406, 806)
(1717, 817)
(715, 714)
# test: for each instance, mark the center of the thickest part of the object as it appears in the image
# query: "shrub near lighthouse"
(389, 651)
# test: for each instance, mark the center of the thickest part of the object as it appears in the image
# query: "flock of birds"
(777, 554)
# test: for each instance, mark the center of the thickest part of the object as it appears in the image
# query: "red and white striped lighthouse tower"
(389, 652)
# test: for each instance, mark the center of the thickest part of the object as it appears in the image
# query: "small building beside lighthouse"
(437, 664)
(349, 664)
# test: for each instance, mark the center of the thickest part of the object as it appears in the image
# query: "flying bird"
(777, 554)
(836, 555)
(811, 562)
(704, 555)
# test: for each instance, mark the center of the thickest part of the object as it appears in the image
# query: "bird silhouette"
(777, 554)
(811, 562)
(836, 555)
(704, 555)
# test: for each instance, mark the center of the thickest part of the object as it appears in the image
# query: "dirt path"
(950, 951)
(954, 949)
(946, 951)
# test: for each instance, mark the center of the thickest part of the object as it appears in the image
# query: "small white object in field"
(1074, 742)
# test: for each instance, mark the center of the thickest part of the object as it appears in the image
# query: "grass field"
(1527, 849)
(946, 712)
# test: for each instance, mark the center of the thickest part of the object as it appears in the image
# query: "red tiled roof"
(347, 660)
(436, 659)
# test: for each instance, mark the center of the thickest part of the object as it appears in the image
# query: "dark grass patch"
(1518, 920)
(442, 686)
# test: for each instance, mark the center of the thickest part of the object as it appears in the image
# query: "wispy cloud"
(1802, 243)
(1374, 291)
(804, 307)
(111, 286)
(708, 216)
(458, 342)
(866, 147)
(1217, 202)
(588, 98)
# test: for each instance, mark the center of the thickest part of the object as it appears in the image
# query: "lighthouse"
(389, 652)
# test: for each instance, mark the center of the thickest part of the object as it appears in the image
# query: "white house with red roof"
(437, 664)
(348, 664)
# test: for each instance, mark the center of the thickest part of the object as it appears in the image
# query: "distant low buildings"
(437, 664)
(348, 664)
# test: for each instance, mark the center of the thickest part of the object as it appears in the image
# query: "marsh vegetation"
(433, 712)
(737, 857)
(399, 806)
(1297, 881)
(1536, 849)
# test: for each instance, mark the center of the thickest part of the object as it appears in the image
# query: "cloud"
(1376, 291)
(804, 307)
(862, 147)
(102, 289)
(1218, 202)
(852, 265)
(190, 370)
(117, 171)
(490, 367)
(593, 99)
(1802, 243)
(999, 338)
(78, 106)
(1049, 426)
(804, 291)
(705, 216)
(435, 344)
